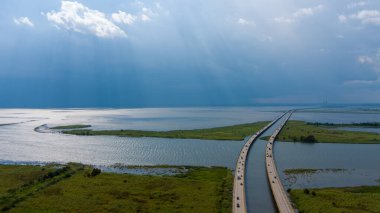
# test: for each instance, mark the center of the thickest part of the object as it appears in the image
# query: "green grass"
(364, 124)
(296, 130)
(17, 193)
(200, 190)
(75, 126)
(235, 132)
(13, 176)
(348, 199)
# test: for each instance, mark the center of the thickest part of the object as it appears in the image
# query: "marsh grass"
(235, 132)
(296, 130)
(199, 190)
(347, 199)
(75, 126)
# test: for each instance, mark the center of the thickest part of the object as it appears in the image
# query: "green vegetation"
(235, 132)
(17, 185)
(12, 176)
(365, 124)
(348, 199)
(308, 132)
(79, 188)
(76, 126)
(309, 171)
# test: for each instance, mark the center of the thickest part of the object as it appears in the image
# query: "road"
(239, 199)
(280, 196)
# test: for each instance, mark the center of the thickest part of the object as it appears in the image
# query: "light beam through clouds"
(189, 53)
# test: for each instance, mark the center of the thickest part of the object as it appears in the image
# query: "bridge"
(239, 200)
(280, 196)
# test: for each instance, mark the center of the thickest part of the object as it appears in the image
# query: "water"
(341, 117)
(360, 161)
(19, 142)
(258, 193)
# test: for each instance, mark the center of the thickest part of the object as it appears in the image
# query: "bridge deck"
(239, 200)
(280, 195)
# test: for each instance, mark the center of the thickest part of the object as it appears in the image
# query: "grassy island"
(327, 133)
(75, 126)
(347, 199)
(80, 188)
(235, 132)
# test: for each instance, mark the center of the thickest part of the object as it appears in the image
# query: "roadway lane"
(239, 199)
(281, 198)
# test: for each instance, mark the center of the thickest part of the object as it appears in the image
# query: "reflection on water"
(21, 144)
(359, 161)
(336, 117)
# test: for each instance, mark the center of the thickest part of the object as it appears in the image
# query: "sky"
(118, 53)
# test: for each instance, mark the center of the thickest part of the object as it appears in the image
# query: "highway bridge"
(239, 199)
(280, 196)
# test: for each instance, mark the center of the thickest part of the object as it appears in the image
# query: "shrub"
(309, 138)
(95, 172)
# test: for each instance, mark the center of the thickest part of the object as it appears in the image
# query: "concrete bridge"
(280, 196)
(239, 200)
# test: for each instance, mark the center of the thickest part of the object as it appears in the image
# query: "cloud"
(79, 18)
(363, 59)
(306, 11)
(374, 62)
(300, 13)
(23, 21)
(147, 13)
(145, 17)
(244, 22)
(372, 59)
(283, 19)
(354, 5)
(368, 16)
(342, 18)
(364, 16)
(367, 82)
(123, 17)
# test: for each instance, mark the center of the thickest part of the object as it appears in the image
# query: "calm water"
(19, 143)
(340, 117)
(258, 192)
(360, 161)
